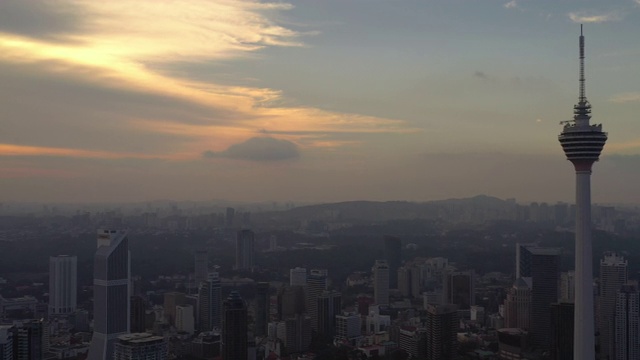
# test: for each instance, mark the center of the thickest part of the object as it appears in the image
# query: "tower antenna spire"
(583, 96)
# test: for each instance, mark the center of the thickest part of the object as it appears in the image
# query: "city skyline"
(257, 101)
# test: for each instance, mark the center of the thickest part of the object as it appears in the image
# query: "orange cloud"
(21, 150)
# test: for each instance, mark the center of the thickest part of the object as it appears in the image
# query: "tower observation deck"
(582, 142)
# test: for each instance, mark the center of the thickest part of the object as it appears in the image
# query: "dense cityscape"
(480, 277)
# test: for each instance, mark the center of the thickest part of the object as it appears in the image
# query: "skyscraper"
(613, 274)
(171, 300)
(111, 292)
(442, 331)
(316, 285)
(63, 284)
(210, 303)
(517, 306)
(329, 305)
(298, 276)
(201, 268)
(582, 143)
(262, 307)
(542, 267)
(138, 317)
(244, 250)
(393, 253)
(185, 319)
(458, 289)
(28, 340)
(381, 282)
(234, 328)
(627, 322)
(562, 331)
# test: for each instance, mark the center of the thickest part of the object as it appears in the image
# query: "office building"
(234, 328)
(6, 342)
(262, 309)
(185, 319)
(201, 268)
(298, 277)
(542, 266)
(442, 329)
(291, 301)
(171, 300)
(613, 274)
(316, 285)
(140, 346)
(393, 252)
(138, 314)
(568, 286)
(380, 272)
(63, 284)
(329, 305)
(297, 336)
(458, 289)
(562, 331)
(627, 324)
(413, 341)
(348, 327)
(210, 303)
(28, 339)
(111, 292)
(244, 250)
(582, 143)
(517, 306)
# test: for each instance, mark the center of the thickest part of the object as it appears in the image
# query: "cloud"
(591, 17)
(22, 150)
(625, 97)
(511, 5)
(259, 149)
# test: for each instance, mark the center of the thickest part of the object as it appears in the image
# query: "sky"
(311, 100)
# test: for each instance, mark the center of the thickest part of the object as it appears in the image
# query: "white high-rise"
(298, 276)
(582, 143)
(63, 283)
(381, 282)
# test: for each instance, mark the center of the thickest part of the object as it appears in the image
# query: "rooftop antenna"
(583, 96)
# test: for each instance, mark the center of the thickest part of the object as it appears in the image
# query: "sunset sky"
(311, 100)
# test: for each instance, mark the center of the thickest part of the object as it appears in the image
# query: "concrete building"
(458, 289)
(613, 274)
(297, 334)
(111, 293)
(262, 309)
(140, 346)
(380, 272)
(171, 300)
(63, 284)
(316, 285)
(582, 143)
(185, 320)
(627, 323)
(298, 276)
(562, 331)
(568, 286)
(348, 327)
(413, 341)
(6, 342)
(210, 303)
(517, 306)
(329, 305)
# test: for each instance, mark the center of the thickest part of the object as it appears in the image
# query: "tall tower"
(613, 274)
(582, 144)
(63, 283)
(381, 282)
(111, 275)
(210, 303)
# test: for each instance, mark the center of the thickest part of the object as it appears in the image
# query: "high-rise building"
(6, 342)
(567, 286)
(348, 327)
(542, 266)
(234, 328)
(201, 268)
(316, 285)
(413, 341)
(291, 301)
(185, 319)
(171, 300)
(627, 323)
(329, 305)
(298, 276)
(28, 340)
(393, 252)
(297, 334)
(63, 284)
(111, 292)
(442, 330)
(140, 346)
(613, 274)
(517, 306)
(210, 303)
(404, 280)
(262, 309)
(138, 314)
(458, 289)
(582, 143)
(380, 272)
(244, 250)
(562, 331)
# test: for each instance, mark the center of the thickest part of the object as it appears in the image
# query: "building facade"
(235, 342)
(63, 284)
(613, 274)
(380, 272)
(140, 346)
(244, 250)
